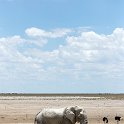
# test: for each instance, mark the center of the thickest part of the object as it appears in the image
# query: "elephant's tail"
(35, 121)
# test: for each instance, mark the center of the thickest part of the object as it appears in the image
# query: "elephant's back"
(53, 112)
(51, 116)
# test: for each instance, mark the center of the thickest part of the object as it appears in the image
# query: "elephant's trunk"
(84, 122)
(84, 119)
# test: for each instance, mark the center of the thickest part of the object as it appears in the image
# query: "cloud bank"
(84, 56)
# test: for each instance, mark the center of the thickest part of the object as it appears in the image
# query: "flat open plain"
(21, 108)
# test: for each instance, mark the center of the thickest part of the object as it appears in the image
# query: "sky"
(61, 46)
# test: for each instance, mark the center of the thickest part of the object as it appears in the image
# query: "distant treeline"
(106, 95)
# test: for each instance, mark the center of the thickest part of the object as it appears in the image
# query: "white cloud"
(56, 33)
(86, 57)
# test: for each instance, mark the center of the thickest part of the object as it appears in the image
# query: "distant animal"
(117, 118)
(68, 115)
(105, 119)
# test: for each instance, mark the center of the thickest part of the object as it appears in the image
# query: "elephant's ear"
(70, 115)
(81, 116)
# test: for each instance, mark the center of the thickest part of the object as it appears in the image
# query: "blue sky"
(62, 46)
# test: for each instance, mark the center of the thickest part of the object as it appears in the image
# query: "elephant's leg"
(39, 123)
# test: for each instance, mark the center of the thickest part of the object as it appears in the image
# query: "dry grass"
(22, 108)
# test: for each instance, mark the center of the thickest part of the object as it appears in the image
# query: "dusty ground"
(22, 109)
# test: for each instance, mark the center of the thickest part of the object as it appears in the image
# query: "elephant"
(67, 115)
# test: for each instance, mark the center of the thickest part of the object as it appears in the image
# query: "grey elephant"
(68, 115)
